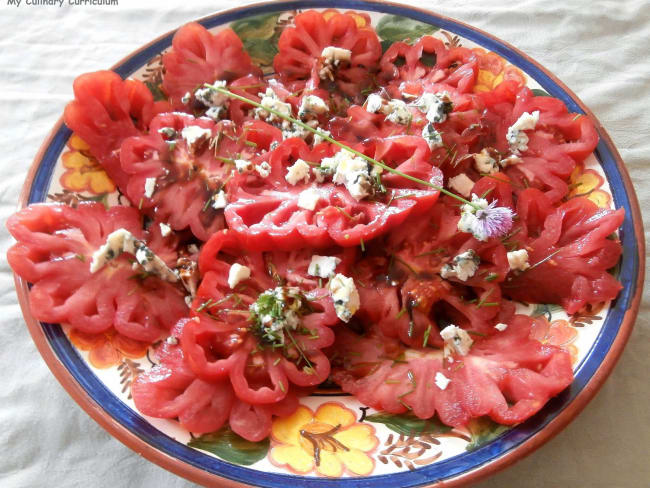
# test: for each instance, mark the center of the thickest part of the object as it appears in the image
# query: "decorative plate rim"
(602, 358)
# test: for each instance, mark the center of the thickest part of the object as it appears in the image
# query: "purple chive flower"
(486, 221)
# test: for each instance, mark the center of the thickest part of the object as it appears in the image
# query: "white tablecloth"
(600, 49)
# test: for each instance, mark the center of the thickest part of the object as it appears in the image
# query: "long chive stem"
(328, 138)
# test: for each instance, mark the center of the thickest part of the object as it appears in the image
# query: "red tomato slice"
(106, 110)
(508, 376)
(199, 57)
(571, 257)
(300, 50)
(54, 252)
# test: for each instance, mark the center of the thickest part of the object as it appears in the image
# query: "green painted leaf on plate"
(156, 90)
(397, 28)
(483, 430)
(547, 309)
(262, 51)
(409, 424)
(231, 447)
(538, 92)
(256, 27)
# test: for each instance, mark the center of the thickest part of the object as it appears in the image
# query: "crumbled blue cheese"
(312, 105)
(263, 169)
(436, 106)
(308, 199)
(352, 171)
(510, 161)
(210, 97)
(168, 132)
(463, 266)
(501, 327)
(237, 274)
(149, 187)
(432, 136)
(219, 200)
(318, 138)
(374, 103)
(345, 296)
(456, 340)
(194, 136)
(518, 260)
(323, 266)
(275, 311)
(397, 112)
(516, 137)
(215, 113)
(294, 130)
(441, 381)
(165, 230)
(121, 241)
(333, 54)
(461, 184)
(485, 163)
(298, 171)
(243, 165)
(270, 100)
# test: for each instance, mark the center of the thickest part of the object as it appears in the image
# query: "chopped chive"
(427, 332)
(430, 253)
(475, 333)
(492, 277)
(487, 192)
(277, 361)
(204, 305)
(344, 213)
(544, 260)
(392, 382)
(410, 195)
(250, 143)
(281, 385)
(140, 204)
(226, 160)
(400, 313)
(361, 243)
(80, 257)
(481, 302)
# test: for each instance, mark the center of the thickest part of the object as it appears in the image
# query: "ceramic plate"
(389, 450)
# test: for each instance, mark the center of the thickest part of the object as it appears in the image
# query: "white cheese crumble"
(397, 112)
(355, 173)
(219, 200)
(185, 99)
(308, 199)
(194, 136)
(237, 274)
(510, 160)
(243, 166)
(485, 163)
(456, 339)
(501, 327)
(149, 187)
(469, 222)
(433, 137)
(463, 266)
(335, 55)
(263, 169)
(271, 100)
(165, 230)
(215, 113)
(345, 296)
(298, 171)
(210, 97)
(518, 260)
(441, 381)
(461, 184)
(312, 105)
(323, 266)
(374, 103)
(121, 241)
(436, 106)
(318, 138)
(516, 137)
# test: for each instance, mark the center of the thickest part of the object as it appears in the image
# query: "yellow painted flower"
(493, 69)
(329, 441)
(361, 19)
(557, 333)
(108, 348)
(83, 172)
(587, 182)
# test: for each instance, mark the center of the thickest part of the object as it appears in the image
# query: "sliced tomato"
(301, 46)
(106, 110)
(198, 56)
(508, 376)
(187, 178)
(570, 258)
(268, 216)
(54, 252)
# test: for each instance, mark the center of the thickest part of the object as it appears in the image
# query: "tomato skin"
(198, 56)
(106, 110)
(508, 376)
(574, 254)
(300, 48)
(54, 251)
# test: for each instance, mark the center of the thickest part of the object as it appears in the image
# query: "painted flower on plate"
(108, 348)
(82, 171)
(329, 441)
(587, 182)
(493, 69)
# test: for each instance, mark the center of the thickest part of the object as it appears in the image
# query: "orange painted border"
(204, 478)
